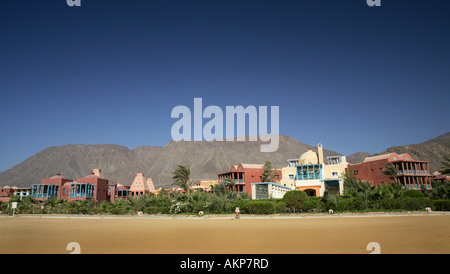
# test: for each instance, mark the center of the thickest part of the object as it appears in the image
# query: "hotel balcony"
(44, 191)
(81, 190)
(413, 172)
(311, 176)
(309, 172)
(122, 194)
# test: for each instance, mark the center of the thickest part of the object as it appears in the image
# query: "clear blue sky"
(353, 77)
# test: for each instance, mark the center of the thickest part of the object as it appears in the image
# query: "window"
(355, 171)
(334, 173)
(291, 176)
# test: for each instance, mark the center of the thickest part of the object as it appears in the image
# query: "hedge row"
(316, 204)
(441, 205)
(271, 206)
(260, 206)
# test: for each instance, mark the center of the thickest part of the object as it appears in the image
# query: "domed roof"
(308, 158)
(92, 175)
(57, 176)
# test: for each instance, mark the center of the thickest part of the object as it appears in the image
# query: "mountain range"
(432, 150)
(206, 159)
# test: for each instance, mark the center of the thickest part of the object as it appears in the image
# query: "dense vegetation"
(358, 197)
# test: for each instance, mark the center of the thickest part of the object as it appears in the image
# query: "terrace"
(44, 191)
(81, 190)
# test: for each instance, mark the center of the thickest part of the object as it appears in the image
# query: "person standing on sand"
(237, 213)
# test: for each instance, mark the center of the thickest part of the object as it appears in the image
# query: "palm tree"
(220, 189)
(350, 184)
(182, 175)
(445, 165)
(231, 182)
(391, 171)
(364, 189)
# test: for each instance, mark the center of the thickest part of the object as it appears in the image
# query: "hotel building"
(310, 173)
(315, 176)
(91, 187)
(141, 186)
(6, 192)
(244, 175)
(205, 185)
(411, 173)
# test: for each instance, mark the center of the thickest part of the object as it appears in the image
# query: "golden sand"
(394, 234)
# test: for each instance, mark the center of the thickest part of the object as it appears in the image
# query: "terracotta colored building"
(244, 175)
(52, 188)
(5, 193)
(411, 173)
(438, 177)
(91, 187)
(118, 191)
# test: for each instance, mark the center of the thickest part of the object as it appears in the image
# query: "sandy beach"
(403, 234)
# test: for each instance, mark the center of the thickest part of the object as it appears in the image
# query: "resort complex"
(309, 173)
(312, 173)
(92, 187)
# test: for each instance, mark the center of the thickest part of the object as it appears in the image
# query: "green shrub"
(408, 203)
(279, 206)
(295, 200)
(417, 203)
(351, 204)
(387, 204)
(331, 201)
(158, 210)
(314, 204)
(215, 204)
(413, 193)
(258, 207)
(441, 205)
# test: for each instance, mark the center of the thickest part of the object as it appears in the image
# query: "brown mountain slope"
(207, 159)
(119, 164)
(432, 150)
(72, 161)
(357, 157)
